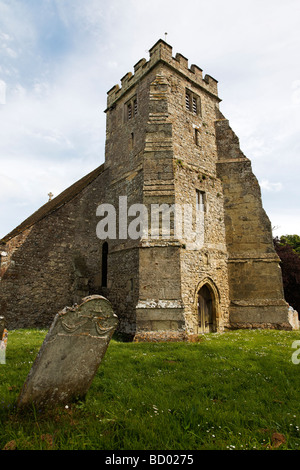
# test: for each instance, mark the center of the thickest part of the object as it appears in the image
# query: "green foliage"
(290, 267)
(292, 240)
(227, 391)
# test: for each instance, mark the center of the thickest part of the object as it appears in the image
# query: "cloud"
(59, 58)
(296, 92)
(268, 186)
(2, 92)
(285, 222)
(9, 188)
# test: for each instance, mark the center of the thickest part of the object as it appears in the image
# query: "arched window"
(104, 263)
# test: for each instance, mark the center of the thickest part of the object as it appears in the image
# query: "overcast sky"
(60, 57)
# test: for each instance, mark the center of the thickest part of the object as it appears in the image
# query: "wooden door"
(205, 311)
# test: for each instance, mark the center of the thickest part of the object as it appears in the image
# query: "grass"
(237, 390)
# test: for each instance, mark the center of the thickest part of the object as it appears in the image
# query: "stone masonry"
(167, 143)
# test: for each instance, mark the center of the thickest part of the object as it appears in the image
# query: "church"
(170, 228)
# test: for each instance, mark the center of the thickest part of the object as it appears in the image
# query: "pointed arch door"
(206, 310)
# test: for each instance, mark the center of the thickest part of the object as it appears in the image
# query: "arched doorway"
(206, 310)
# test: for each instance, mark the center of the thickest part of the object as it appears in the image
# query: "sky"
(58, 59)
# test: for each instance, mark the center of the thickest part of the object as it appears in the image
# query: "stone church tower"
(202, 260)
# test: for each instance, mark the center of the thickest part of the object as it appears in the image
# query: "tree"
(292, 240)
(290, 267)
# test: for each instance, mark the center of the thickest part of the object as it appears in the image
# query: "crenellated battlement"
(162, 52)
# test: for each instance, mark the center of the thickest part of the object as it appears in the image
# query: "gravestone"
(3, 341)
(70, 354)
(2, 327)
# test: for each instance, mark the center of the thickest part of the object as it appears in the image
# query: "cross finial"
(50, 196)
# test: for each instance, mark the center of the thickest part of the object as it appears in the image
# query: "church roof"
(55, 203)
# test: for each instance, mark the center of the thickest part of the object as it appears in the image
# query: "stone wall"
(256, 290)
(53, 263)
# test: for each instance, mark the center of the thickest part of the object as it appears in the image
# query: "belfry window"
(192, 102)
(135, 106)
(131, 108)
(194, 105)
(129, 111)
(187, 101)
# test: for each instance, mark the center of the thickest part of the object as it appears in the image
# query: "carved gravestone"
(3, 340)
(70, 354)
(2, 327)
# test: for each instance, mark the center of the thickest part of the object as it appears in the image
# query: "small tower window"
(200, 200)
(197, 137)
(194, 105)
(131, 108)
(129, 111)
(187, 101)
(192, 102)
(131, 143)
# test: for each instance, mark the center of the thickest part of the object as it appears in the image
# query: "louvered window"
(131, 109)
(187, 101)
(194, 105)
(192, 102)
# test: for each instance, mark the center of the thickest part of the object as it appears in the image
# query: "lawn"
(237, 390)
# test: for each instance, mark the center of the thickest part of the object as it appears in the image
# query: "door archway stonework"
(210, 299)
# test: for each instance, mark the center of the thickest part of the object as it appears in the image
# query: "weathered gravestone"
(3, 340)
(2, 327)
(70, 354)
